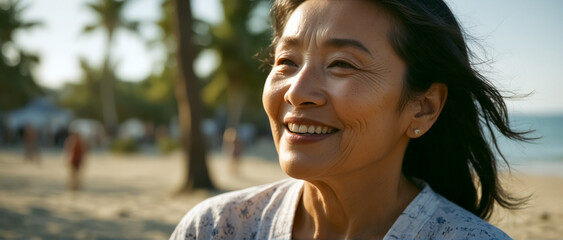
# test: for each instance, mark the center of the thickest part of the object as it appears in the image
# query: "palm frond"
(28, 25)
(132, 26)
(97, 7)
(90, 28)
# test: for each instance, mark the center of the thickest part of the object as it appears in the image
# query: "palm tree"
(189, 101)
(238, 75)
(109, 19)
(80, 97)
(17, 85)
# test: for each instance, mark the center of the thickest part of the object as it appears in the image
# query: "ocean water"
(544, 155)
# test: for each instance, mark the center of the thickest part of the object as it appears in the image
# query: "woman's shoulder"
(431, 216)
(249, 196)
(239, 213)
(451, 219)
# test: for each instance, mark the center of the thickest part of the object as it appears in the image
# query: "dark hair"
(456, 157)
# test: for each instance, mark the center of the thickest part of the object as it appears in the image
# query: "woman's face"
(333, 93)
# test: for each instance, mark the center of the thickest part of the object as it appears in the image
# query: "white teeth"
(296, 128)
(293, 127)
(311, 129)
(302, 129)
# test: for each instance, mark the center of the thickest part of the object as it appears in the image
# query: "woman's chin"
(302, 168)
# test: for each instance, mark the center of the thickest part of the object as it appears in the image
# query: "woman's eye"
(286, 62)
(342, 64)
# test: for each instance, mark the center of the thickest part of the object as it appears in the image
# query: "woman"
(376, 110)
(76, 149)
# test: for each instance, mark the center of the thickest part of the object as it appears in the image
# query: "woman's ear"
(430, 106)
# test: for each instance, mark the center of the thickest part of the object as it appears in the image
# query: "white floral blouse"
(267, 212)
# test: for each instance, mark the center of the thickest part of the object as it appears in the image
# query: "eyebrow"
(345, 42)
(333, 42)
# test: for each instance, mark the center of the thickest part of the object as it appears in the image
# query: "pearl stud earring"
(417, 131)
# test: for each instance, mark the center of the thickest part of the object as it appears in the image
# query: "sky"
(522, 42)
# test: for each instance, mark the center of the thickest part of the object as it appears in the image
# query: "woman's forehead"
(321, 21)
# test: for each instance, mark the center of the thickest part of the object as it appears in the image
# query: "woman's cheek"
(273, 94)
(268, 93)
(272, 99)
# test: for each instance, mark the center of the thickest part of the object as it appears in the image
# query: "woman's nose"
(306, 88)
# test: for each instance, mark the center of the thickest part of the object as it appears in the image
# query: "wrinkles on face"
(375, 77)
(375, 81)
(329, 51)
(298, 33)
(272, 96)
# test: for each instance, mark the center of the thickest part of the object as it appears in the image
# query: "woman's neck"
(357, 206)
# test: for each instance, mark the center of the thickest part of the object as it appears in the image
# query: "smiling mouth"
(310, 129)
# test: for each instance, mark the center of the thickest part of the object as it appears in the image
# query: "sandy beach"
(132, 197)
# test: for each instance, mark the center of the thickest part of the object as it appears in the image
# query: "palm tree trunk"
(189, 103)
(236, 96)
(236, 102)
(109, 113)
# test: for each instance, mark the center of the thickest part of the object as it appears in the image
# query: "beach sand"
(542, 218)
(133, 197)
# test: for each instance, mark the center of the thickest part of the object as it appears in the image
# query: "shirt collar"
(417, 213)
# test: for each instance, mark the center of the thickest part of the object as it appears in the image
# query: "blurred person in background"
(76, 149)
(31, 144)
(381, 122)
(233, 145)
